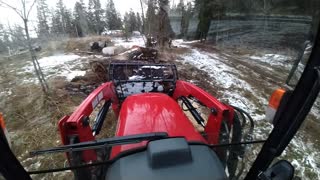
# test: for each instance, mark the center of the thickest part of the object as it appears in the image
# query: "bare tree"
(24, 13)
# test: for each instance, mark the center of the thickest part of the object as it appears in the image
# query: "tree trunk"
(35, 62)
(142, 13)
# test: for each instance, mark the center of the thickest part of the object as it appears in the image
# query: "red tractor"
(155, 139)
(153, 133)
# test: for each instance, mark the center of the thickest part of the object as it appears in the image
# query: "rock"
(97, 46)
(110, 51)
(136, 33)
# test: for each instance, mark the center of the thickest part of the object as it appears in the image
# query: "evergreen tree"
(80, 19)
(68, 26)
(90, 16)
(112, 17)
(95, 14)
(56, 24)
(186, 16)
(42, 14)
(208, 10)
(151, 19)
(3, 45)
(126, 26)
(181, 11)
(132, 21)
(61, 14)
(98, 15)
(165, 31)
(139, 22)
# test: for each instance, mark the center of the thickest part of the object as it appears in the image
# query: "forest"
(93, 18)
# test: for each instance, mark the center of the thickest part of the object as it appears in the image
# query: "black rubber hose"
(248, 136)
(235, 151)
(247, 114)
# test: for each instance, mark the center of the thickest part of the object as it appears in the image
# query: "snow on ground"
(274, 60)
(182, 43)
(302, 153)
(134, 41)
(57, 65)
(305, 158)
(224, 76)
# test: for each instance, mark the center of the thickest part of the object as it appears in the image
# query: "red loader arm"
(220, 112)
(77, 124)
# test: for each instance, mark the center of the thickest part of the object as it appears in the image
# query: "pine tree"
(139, 22)
(95, 15)
(61, 11)
(151, 19)
(80, 19)
(113, 19)
(181, 11)
(126, 26)
(56, 24)
(133, 21)
(186, 16)
(208, 10)
(42, 14)
(68, 26)
(3, 45)
(91, 18)
(18, 36)
(98, 15)
(165, 29)
(4, 38)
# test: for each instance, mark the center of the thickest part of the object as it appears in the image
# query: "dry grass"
(83, 44)
(170, 55)
(32, 122)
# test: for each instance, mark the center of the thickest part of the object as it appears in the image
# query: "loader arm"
(77, 124)
(219, 112)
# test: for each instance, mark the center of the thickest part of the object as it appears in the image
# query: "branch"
(11, 7)
(23, 3)
(31, 8)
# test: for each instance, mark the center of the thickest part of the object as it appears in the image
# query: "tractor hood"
(153, 112)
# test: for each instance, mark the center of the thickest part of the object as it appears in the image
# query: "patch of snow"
(6, 92)
(226, 77)
(73, 74)
(138, 87)
(134, 41)
(35, 165)
(152, 67)
(52, 61)
(136, 33)
(182, 43)
(136, 77)
(273, 59)
(222, 73)
(112, 32)
(305, 157)
(57, 65)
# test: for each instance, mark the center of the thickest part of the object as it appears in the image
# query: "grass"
(31, 119)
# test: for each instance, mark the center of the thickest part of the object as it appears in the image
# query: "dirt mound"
(83, 44)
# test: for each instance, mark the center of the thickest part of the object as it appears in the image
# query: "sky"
(8, 15)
